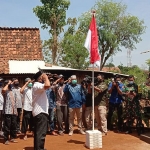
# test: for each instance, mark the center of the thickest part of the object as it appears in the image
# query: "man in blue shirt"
(76, 99)
(52, 107)
(115, 101)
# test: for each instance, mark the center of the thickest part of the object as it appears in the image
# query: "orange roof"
(19, 44)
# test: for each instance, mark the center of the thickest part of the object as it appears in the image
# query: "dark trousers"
(10, 126)
(19, 110)
(83, 118)
(62, 116)
(1, 119)
(51, 119)
(40, 130)
(27, 121)
(112, 108)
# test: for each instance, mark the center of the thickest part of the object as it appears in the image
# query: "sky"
(19, 13)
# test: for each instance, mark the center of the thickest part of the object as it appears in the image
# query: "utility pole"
(129, 63)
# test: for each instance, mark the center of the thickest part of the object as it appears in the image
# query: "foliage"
(52, 15)
(110, 65)
(140, 75)
(73, 52)
(115, 27)
(148, 62)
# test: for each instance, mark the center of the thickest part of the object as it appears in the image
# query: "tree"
(110, 65)
(115, 27)
(139, 74)
(74, 54)
(52, 15)
(148, 63)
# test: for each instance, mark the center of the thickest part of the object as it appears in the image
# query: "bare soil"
(113, 141)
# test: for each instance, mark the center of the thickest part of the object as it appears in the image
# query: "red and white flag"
(91, 43)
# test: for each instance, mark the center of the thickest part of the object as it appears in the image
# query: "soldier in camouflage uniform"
(132, 108)
(100, 90)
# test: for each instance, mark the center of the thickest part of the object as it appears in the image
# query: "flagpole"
(93, 98)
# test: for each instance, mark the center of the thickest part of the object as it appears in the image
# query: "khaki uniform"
(100, 99)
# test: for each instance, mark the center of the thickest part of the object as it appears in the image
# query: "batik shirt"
(61, 98)
(10, 103)
(18, 96)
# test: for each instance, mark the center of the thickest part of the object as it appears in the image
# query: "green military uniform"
(132, 108)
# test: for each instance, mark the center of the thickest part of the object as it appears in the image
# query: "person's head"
(51, 80)
(131, 79)
(61, 81)
(38, 77)
(117, 79)
(16, 83)
(30, 83)
(100, 77)
(73, 79)
(9, 86)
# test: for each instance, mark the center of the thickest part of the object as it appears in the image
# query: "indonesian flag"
(91, 43)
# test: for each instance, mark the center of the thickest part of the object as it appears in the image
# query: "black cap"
(37, 75)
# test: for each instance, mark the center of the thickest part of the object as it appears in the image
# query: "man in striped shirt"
(40, 109)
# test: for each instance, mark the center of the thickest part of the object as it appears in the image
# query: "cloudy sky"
(19, 13)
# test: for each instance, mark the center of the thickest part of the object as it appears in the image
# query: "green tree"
(116, 28)
(52, 15)
(139, 74)
(110, 65)
(148, 63)
(74, 54)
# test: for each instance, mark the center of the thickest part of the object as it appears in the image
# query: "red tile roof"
(19, 44)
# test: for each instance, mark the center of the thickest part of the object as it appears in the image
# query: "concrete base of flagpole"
(93, 139)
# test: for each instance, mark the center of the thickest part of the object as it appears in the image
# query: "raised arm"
(46, 81)
(24, 86)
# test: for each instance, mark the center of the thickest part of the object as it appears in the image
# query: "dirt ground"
(113, 141)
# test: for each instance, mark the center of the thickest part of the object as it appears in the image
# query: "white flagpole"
(93, 98)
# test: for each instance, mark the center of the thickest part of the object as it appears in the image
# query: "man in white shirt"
(40, 109)
(26, 90)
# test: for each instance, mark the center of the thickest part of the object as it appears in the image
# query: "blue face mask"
(74, 81)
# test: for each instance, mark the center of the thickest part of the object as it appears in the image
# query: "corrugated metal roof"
(24, 67)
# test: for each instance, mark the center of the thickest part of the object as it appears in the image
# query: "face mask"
(30, 85)
(61, 83)
(131, 82)
(10, 86)
(1, 83)
(74, 81)
(16, 84)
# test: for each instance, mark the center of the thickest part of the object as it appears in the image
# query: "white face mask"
(131, 82)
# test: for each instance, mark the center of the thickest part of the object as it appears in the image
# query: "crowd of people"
(52, 105)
